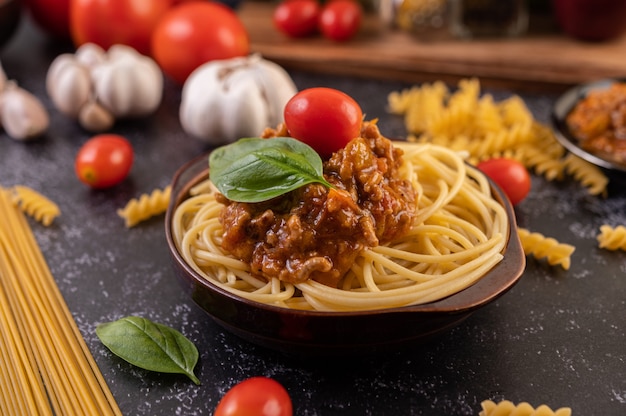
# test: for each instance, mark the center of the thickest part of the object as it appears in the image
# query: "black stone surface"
(558, 337)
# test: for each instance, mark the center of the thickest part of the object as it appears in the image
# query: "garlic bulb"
(97, 87)
(225, 100)
(22, 115)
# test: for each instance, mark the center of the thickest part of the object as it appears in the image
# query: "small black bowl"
(324, 334)
(10, 15)
(563, 106)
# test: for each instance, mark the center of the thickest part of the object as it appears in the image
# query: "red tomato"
(324, 118)
(510, 175)
(297, 18)
(53, 16)
(109, 22)
(256, 396)
(340, 19)
(104, 160)
(194, 33)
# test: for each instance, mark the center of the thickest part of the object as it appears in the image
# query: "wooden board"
(548, 60)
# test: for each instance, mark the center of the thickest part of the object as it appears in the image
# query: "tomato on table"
(194, 33)
(340, 20)
(324, 118)
(256, 396)
(297, 18)
(110, 22)
(104, 160)
(510, 175)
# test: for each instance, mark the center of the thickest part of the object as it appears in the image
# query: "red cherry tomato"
(510, 175)
(340, 19)
(256, 396)
(104, 160)
(324, 118)
(297, 18)
(53, 16)
(197, 32)
(109, 22)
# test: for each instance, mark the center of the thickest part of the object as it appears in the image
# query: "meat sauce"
(315, 232)
(598, 122)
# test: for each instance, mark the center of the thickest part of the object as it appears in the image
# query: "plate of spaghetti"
(401, 242)
(590, 121)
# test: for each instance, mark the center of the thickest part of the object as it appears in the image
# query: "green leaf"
(255, 169)
(149, 345)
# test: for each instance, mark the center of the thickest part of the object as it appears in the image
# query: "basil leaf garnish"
(255, 169)
(150, 346)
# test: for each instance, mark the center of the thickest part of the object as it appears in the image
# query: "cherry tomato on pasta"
(256, 396)
(297, 18)
(104, 160)
(340, 19)
(510, 175)
(324, 118)
(193, 33)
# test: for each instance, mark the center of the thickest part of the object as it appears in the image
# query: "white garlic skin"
(225, 100)
(96, 87)
(22, 115)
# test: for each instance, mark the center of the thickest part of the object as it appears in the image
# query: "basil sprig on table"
(150, 346)
(256, 170)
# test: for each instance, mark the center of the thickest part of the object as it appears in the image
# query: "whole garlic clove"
(68, 84)
(22, 115)
(90, 55)
(128, 84)
(95, 118)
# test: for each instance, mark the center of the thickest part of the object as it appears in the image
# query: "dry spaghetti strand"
(46, 367)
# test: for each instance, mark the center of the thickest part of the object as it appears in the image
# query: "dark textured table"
(558, 337)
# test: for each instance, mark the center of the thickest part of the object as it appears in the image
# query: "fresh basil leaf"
(150, 346)
(255, 169)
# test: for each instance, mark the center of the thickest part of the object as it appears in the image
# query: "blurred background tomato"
(591, 20)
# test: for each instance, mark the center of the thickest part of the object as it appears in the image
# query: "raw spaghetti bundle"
(45, 366)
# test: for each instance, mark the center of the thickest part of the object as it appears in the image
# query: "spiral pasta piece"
(590, 176)
(540, 246)
(146, 206)
(486, 129)
(612, 238)
(508, 408)
(35, 204)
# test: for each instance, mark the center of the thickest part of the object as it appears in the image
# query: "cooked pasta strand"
(442, 254)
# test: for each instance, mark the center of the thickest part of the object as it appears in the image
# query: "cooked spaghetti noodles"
(459, 235)
(45, 366)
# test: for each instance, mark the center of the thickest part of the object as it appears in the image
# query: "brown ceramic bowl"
(562, 107)
(315, 333)
(10, 13)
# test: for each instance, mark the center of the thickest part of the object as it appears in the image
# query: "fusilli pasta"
(146, 206)
(612, 238)
(587, 174)
(507, 408)
(540, 246)
(485, 129)
(35, 204)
